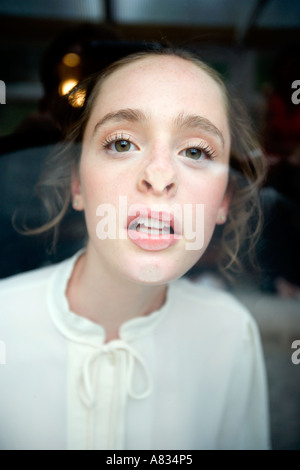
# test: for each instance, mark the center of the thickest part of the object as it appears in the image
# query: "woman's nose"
(158, 178)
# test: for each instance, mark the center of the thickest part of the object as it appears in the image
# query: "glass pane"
(66, 9)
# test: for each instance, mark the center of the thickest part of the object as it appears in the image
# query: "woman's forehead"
(162, 84)
(161, 68)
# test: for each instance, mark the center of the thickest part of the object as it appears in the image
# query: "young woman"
(110, 349)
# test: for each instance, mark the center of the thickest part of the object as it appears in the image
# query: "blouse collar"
(83, 330)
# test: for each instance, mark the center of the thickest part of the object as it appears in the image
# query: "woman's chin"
(158, 272)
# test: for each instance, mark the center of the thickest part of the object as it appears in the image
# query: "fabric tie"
(133, 358)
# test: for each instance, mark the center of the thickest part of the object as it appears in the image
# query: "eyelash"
(210, 153)
(114, 138)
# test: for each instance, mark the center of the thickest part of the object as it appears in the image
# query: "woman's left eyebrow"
(195, 121)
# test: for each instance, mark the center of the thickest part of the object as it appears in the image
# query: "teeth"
(155, 226)
(152, 231)
(153, 223)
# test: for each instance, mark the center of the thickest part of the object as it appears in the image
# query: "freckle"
(150, 273)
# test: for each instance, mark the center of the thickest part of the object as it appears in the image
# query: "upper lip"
(163, 216)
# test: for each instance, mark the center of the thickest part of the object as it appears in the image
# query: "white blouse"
(189, 376)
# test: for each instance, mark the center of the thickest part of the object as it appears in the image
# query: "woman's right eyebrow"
(122, 115)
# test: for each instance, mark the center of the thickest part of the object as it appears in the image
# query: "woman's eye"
(121, 145)
(195, 153)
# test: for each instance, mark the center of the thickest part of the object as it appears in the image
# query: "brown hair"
(247, 167)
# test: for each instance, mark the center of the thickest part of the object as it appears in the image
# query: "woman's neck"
(108, 300)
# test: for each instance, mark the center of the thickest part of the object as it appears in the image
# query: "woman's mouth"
(151, 227)
(152, 232)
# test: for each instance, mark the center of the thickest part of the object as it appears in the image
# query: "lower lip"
(152, 242)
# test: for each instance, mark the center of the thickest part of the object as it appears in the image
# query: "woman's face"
(154, 169)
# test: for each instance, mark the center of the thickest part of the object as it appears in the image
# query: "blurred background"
(47, 47)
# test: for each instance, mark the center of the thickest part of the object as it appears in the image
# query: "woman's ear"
(223, 209)
(77, 200)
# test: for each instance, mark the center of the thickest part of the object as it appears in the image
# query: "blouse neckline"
(83, 330)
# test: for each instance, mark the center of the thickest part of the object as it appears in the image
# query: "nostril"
(158, 183)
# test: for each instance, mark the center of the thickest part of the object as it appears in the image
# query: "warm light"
(67, 86)
(71, 59)
(77, 98)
